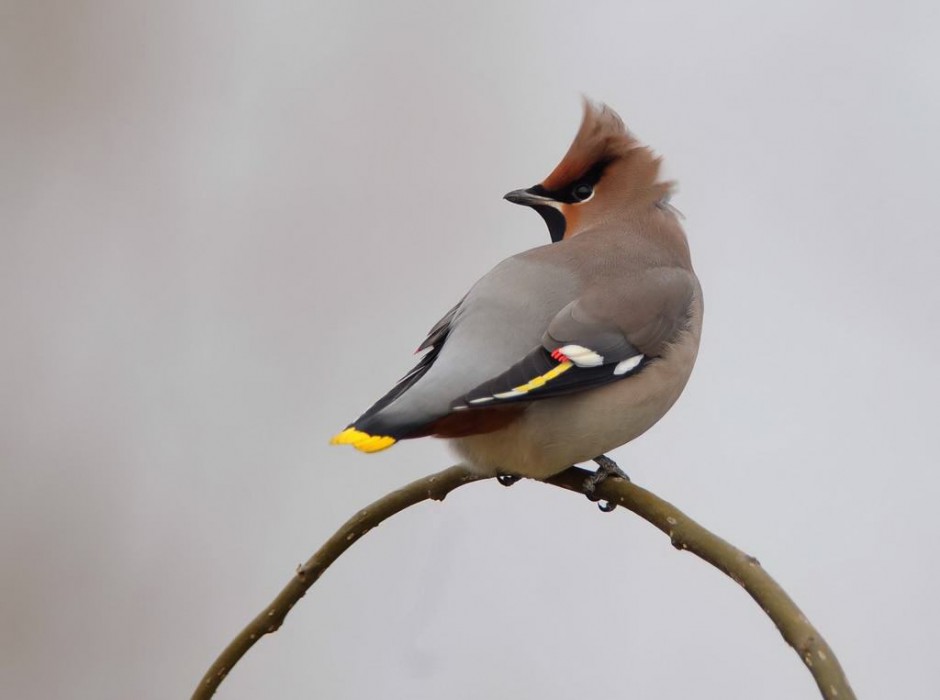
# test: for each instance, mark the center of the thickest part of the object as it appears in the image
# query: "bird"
(569, 350)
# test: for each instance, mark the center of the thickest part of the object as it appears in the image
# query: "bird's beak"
(529, 199)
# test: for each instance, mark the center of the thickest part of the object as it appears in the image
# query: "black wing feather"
(536, 364)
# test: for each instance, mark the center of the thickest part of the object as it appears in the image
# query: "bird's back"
(507, 312)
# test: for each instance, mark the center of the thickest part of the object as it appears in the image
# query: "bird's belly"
(555, 433)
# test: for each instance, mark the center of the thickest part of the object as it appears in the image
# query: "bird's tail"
(363, 441)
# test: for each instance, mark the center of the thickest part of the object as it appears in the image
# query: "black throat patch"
(555, 221)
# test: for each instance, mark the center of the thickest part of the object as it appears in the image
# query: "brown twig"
(684, 533)
(434, 487)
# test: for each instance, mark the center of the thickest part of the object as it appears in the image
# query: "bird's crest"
(602, 137)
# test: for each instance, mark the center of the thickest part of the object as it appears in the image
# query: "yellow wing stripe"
(362, 441)
(542, 380)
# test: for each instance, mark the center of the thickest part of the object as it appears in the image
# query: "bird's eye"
(582, 192)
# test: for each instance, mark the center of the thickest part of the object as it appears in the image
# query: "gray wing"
(432, 344)
(605, 335)
(499, 320)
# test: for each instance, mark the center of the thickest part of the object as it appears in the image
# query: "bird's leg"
(507, 479)
(606, 468)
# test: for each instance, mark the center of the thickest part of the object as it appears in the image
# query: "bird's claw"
(606, 469)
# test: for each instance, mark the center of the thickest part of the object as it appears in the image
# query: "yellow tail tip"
(362, 441)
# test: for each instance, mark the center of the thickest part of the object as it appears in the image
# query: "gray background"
(225, 227)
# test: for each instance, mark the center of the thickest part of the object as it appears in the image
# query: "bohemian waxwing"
(566, 351)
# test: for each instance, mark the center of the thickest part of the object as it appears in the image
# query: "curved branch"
(434, 487)
(684, 533)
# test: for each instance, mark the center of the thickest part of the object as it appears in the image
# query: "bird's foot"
(606, 469)
(507, 479)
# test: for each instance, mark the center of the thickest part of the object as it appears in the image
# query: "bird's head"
(605, 172)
